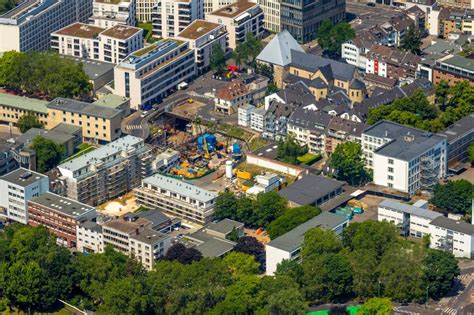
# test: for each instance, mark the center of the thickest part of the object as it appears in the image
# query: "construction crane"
(206, 149)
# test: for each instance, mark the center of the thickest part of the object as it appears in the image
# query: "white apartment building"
(92, 42)
(149, 74)
(28, 26)
(412, 220)
(355, 50)
(271, 13)
(89, 237)
(239, 19)
(288, 246)
(171, 17)
(176, 198)
(244, 115)
(404, 158)
(145, 10)
(18, 187)
(257, 119)
(453, 236)
(108, 13)
(214, 5)
(202, 36)
(107, 172)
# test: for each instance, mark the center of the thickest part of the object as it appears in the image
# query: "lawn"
(147, 32)
(83, 149)
(235, 131)
(257, 143)
(309, 158)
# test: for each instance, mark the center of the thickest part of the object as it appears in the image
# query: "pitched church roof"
(278, 51)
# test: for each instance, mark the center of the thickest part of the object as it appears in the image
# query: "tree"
(251, 246)
(376, 306)
(440, 269)
(286, 302)
(332, 36)
(454, 197)
(240, 54)
(175, 251)
(268, 206)
(126, 296)
(242, 297)
(233, 235)
(349, 164)
(271, 88)
(411, 42)
(291, 218)
(7, 5)
(319, 242)
(28, 121)
(364, 264)
(254, 46)
(48, 153)
(226, 206)
(442, 93)
(289, 150)
(217, 57)
(470, 151)
(190, 255)
(239, 264)
(291, 269)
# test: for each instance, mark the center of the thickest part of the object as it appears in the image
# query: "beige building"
(171, 17)
(108, 13)
(145, 10)
(271, 13)
(99, 124)
(92, 42)
(12, 107)
(214, 5)
(148, 75)
(202, 35)
(239, 19)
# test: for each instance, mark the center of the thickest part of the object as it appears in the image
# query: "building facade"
(145, 10)
(107, 172)
(148, 75)
(460, 136)
(171, 17)
(453, 69)
(271, 13)
(456, 237)
(18, 187)
(239, 18)
(176, 198)
(28, 26)
(110, 13)
(59, 215)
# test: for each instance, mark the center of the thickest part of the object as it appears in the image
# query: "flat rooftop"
(127, 227)
(93, 68)
(309, 189)
(210, 246)
(460, 62)
(293, 239)
(83, 108)
(460, 128)
(102, 153)
(67, 206)
(224, 226)
(80, 30)
(56, 136)
(180, 187)
(406, 208)
(24, 103)
(234, 9)
(454, 225)
(406, 142)
(198, 28)
(23, 177)
(150, 237)
(121, 32)
(111, 100)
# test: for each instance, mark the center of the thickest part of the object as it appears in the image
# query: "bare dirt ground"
(119, 206)
(370, 212)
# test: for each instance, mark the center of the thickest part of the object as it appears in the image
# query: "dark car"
(371, 4)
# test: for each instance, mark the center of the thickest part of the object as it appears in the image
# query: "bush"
(309, 158)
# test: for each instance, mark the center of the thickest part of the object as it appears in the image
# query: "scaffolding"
(429, 172)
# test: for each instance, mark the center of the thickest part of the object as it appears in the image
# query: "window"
(390, 177)
(390, 161)
(390, 169)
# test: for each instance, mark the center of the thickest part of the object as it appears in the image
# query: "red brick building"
(60, 215)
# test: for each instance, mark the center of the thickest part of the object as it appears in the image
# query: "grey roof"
(155, 216)
(94, 69)
(297, 93)
(357, 84)
(450, 224)
(406, 208)
(92, 226)
(318, 83)
(83, 108)
(67, 206)
(180, 187)
(278, 50)
(23, 177)
(399, 147)
(150, 237)
(460, 128)
(23, 103)
(57, 137)
(336, 69)
(293, 239)
(348, 126)
(211, 246)
(309, 189)
(224, 226)
(459, 62)
(310, 119)
(68, 129)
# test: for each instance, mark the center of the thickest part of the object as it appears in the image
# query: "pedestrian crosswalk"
(133, 127)
(466, 278)
(399, 310)
(449, 311)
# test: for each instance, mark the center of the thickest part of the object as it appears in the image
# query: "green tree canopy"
(332, 36)
(376, 306)
(349, 163)
(318, 242)
(440, 268)
(291, 218)
(454, 197)
(470, 152)
(7, 5)
(28, 121)
(411, 41)
(289, 149)
(217, 57)
(48, 153)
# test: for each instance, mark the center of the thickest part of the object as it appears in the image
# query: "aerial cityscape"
(237, 157)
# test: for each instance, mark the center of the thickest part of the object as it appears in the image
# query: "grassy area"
(235, 131)
(257, 170)
(309, 158)
(147, 32)
(257, 143)
(83, 149)
(351, 309)
(141, 209)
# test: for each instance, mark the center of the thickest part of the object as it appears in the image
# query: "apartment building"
(171, 17)
(303, 18)
(107, 172)
(355, 50)
(464, 4)
(454, 20)
(456, 237)
(108, 13)
(411, 220)
(404, 158)
(99, 123)
(230, 97)
(239, 18)
(149, 74)
(90, 238)
(176, 198)
(453, 69)
(460, 136)
(18, 187)
(145, 10)
(134, 237)
(341, 130)
(93, 42)
(392, 63)
(288, 246)
(28, 26)
(271, 13)
(202, 36)
(214, 5)
(12, 107)
(60, 216)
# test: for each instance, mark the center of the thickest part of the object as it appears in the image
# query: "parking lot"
(363, 17)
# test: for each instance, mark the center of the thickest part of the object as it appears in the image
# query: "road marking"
(450, 311)
(133, 127)
(398, 309)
